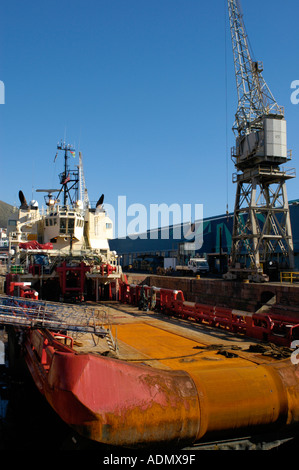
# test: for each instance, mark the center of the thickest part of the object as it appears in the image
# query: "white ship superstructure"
(68, 229)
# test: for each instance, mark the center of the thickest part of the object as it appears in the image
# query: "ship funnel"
(100, 201)
(23, 201)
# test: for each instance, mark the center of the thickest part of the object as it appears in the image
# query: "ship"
(130, 375)
(136, 366)
(63, 251)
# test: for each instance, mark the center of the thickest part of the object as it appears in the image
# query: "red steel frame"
(272, 327)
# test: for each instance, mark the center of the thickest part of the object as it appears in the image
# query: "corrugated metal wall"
(217, 234)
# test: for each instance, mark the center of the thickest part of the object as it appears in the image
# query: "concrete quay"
(233, 294)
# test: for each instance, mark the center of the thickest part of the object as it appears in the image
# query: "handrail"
(289, 276)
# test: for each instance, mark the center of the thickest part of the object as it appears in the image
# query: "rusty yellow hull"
(168, 382)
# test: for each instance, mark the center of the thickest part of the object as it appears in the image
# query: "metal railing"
(289, 276)
(27, 313)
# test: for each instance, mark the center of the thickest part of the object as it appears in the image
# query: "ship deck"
(166, 342)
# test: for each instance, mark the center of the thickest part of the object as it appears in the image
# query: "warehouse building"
(150, 248)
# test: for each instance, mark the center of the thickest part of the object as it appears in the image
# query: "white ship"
(63, 250)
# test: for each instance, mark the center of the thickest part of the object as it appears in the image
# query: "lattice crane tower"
(261, 229)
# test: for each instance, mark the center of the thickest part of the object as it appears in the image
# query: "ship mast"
(83, 190)
(69, 179)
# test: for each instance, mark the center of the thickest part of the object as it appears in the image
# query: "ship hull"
(125, 404)
(120, 404)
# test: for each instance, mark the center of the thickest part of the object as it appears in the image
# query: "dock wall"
(233, 294)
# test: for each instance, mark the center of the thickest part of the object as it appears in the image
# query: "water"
(27, 421)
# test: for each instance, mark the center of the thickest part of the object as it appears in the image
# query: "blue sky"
(144, 88)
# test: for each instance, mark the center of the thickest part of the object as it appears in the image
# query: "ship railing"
(16, 237)
(34, 216)
(118, 269)
(19, 267)
(55, 257)
(28, 313)
(56, 210)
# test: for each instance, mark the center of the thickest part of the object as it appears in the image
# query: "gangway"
(27, 313)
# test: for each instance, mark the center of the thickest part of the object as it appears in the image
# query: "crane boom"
(254, 96)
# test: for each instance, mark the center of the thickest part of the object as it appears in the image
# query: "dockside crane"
(261, 229)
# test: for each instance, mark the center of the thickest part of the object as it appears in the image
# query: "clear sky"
(144, 88)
